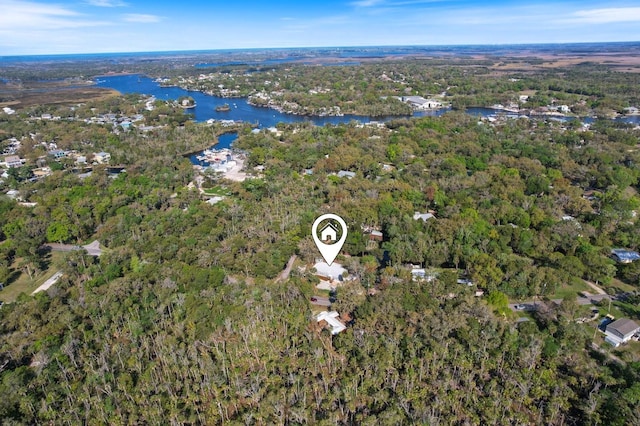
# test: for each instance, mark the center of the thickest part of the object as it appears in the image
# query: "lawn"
(621, 286)
(23, 284)
(572, 288)
(216, 191)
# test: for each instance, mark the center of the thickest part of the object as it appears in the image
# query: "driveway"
(321, 301)
(92, 249)
(48, 283)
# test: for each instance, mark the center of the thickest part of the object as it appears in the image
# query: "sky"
(101, 26)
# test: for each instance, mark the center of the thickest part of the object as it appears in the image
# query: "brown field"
(617, 61)
(24, 95)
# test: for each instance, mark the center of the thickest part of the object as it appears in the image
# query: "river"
(240, 110)
(266, 117)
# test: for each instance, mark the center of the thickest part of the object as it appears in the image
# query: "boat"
(223, 108)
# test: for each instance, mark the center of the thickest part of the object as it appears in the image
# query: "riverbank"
(262, 117)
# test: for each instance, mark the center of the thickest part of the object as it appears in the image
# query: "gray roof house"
(347, 174)
(620, 331)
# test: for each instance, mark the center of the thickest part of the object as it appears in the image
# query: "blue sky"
(97, 26)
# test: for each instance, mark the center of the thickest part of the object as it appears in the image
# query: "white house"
(418, 102)
(422, 216)
(332, 320)
(13, 161)
(347, 174)
(620, 331)
(102, 157)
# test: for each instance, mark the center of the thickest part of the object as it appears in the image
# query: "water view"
(239, 110)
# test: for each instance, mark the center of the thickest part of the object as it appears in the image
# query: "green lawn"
(572, 288)
(216, 191)
(22, 282)
(621, 286)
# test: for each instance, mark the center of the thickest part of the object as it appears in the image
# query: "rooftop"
(332, 319)
(623, 326)
(625, 256)
(332, 271)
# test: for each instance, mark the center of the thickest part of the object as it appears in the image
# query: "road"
(321, 301)
(92, 249)
(532, 305)
(48, 283)
(284, 275)
(595, 287)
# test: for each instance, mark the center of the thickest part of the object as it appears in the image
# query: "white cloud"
(142, 18)
(107, 3)
(367, 3)
(608, 15)
(387, 3)
(23, 16)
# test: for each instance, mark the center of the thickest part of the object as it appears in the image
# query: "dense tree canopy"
(181, 320)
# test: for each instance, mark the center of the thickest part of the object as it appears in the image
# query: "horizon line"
(289, 48)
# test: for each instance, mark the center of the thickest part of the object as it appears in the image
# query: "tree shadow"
(13, 277)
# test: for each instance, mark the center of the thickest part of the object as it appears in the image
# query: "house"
(214, 200)
(329, 233)
(347, 174)
(331, 318)
(624, 256)
(419, 102)
(375, 236)
(332, 272)
(13, 161)
(419, 274)
(13, 194)
(57, 153)
(102, 157)
(423, 216)
(620, 331)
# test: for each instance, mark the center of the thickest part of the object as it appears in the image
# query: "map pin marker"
(329, 251)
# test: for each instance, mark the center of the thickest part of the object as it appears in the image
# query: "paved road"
(321, 301)
(92, 249)
(595, 287)
(284, 275)
(48, 283)
(531, 305)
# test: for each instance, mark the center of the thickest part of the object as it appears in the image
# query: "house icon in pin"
(329, 233)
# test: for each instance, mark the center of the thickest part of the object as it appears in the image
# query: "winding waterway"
(266, 117)
(240, 110)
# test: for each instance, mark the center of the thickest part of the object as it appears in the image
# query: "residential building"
(620, 331)
(376, 236)
(423, 216)
(332, 320)
(13, 161)
(57, 153)
(624, 256)
(102, 157)
(347, 174)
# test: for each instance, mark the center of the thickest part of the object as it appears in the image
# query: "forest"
(182, 320)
